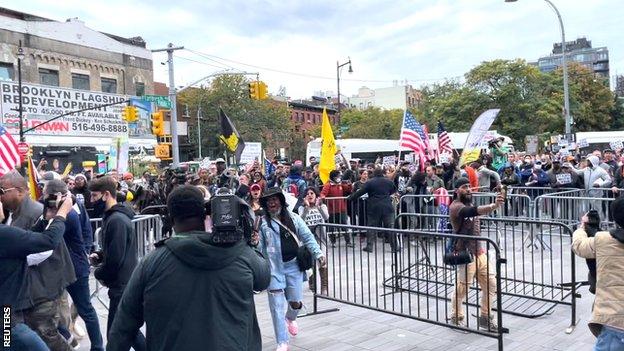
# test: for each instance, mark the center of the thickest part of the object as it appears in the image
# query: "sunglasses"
(4, 191)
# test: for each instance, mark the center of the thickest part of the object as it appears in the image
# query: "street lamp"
(20, 57)
(566, 95)
(338, 67)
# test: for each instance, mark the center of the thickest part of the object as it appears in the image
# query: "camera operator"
(15, 245)
(607, 248)
(195, 291)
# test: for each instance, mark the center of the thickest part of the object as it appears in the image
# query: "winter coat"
(193, 295)
(119, 248)
(608, 250)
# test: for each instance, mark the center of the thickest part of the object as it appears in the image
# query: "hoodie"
(193, 295)
(594, 177)
(119, 248)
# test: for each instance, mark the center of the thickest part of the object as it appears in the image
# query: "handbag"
(305, 259)
(454, 257)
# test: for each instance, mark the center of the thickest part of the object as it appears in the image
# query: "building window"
(6, 71)
(80, 81)
(48, 77)
(109, 85)
(140, 88)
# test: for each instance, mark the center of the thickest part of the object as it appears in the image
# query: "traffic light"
(262, 90)
(254, 91)
(158, 123)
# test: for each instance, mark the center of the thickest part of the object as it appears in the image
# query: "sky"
(297, 44)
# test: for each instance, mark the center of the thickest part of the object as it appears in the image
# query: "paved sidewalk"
(355, 328)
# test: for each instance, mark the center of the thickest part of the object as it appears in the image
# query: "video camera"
(232, 220)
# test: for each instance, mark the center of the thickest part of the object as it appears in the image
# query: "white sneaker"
(78, 330)
(282, 347)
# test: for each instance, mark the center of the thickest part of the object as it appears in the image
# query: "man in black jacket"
(380, 211)
(192, 293)
(15, 245)
(119, 247)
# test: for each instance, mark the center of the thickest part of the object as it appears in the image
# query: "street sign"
(22, 149)
(161, 101)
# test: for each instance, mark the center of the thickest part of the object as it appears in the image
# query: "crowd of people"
(47, 247)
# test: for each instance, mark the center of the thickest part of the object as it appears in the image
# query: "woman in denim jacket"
(277, 243)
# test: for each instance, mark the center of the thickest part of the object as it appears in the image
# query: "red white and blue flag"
(445, 146)
(413, 136)
(9, 156)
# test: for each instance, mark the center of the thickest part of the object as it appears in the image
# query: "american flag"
(444, 140)
(412, 135)
(9, 156)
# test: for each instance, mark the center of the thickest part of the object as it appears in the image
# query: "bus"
(368, 150)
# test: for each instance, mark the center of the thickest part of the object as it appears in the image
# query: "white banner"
(41, 103)
(478, 130)
(251, 153)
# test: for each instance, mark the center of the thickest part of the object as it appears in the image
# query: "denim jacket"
(270, 246)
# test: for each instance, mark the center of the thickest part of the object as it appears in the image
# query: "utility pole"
(172, 97)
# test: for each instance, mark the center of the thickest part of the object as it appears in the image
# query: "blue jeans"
(610, 339)
(25, 339)
(278, 300)
(80, 294)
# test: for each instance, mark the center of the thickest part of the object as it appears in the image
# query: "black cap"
(461, 182)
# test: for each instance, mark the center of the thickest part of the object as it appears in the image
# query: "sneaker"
(293, 328)
(73, 342)
(350, 245)
(488, 322)
(282, 347)
(368, 249)
(457, 321)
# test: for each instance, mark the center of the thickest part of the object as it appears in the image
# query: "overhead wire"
(213, 57)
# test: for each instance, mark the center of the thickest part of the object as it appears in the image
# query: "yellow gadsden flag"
(328, 149)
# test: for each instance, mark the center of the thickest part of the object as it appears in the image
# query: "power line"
(209, 56)
(200, 62)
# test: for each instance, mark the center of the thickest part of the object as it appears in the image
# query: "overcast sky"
(296, 44)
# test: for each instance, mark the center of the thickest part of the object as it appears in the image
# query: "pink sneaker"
(282, 347)
(293, 328)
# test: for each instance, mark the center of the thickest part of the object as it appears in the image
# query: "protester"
(464, 217)
(203, 288)
(379, 208)
(23, 212)
(15, 245)
(608, 250)
(314, 212)
(333, 194)
(281, 234)
(78, 290)
(119, 256)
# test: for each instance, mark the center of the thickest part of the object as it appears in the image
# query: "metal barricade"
(569, 209)
(400, 282)
(148, 230)
(540, 271)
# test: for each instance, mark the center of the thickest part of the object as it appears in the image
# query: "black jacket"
(193, 296)
(379, 190)
(119, 246)
(15, 245)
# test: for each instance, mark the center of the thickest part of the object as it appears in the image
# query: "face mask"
(538, 166)
(99, 207)
(337, 180)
